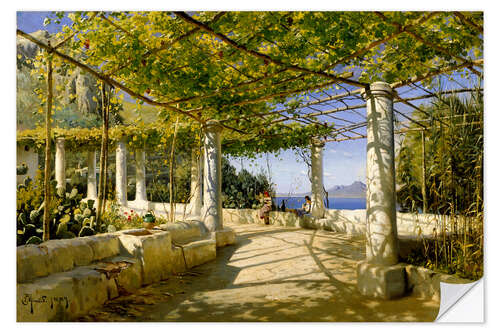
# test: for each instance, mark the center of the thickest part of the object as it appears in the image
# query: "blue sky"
(343, 162)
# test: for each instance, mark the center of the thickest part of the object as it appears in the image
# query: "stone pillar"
(195, 203)
(317, 191)
(379, 276)
(28, 156)
(140, 176)
(121, 173)
(91, 176)
(212, 180)
(60, 169)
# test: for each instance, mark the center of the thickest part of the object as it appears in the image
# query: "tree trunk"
(102, 161)
(171, 187)
(424, 175)
(48, 114)
(106, 138)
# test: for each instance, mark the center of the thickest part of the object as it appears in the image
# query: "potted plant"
(149, 220)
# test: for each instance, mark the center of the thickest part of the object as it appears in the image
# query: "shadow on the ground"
(209, 293)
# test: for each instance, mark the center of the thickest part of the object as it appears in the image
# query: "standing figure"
(266, 207)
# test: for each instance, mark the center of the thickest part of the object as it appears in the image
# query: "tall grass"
(453, 183)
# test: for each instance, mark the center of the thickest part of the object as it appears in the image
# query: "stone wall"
(64, 279)
(160, 208)
(346, 221)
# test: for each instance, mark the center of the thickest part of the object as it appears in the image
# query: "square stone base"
(384, 282)
(224, 237)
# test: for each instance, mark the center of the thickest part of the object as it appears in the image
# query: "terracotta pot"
(149, 225)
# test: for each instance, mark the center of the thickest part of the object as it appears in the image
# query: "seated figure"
(306, 208)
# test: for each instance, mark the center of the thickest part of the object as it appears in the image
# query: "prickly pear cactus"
(62, 229)
(27, 181)
(86, 222)
(79, 218)
(86, 231)
(87, 212)
(34, 215)
(73, 194)
(29, 230)
(68, 214)
(75, 228)
(34, 240)
(61, 193)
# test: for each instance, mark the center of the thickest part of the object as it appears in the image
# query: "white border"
(492, 117)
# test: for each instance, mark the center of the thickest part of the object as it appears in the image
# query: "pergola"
(264, 81)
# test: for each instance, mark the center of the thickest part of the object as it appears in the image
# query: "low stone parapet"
(224, 237)
(60, 280)
(181, 231)
(199, 252)
(63, 296)
(152, 249)
(54, 256)
(352, 222)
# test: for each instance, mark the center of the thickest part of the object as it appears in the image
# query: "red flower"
(131, 210)
(129, 218)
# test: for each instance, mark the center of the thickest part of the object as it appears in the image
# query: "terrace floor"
(271, 274)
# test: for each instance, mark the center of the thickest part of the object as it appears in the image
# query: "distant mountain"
(355, 190)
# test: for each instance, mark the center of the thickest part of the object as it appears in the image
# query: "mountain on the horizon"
(355, 190)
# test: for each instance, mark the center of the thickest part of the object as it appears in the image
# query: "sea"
(334, 203)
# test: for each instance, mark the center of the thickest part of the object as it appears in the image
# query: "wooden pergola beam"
(469, 22)
(435, 72)
(402, 131)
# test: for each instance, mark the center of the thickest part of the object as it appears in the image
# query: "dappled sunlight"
(271, 274)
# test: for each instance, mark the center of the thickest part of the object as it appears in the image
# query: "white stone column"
(212, 177)
(378, 276)
(195, 203)
(317, 192)
(121, 173)
(91, 176)
(29, 156)
(140, 177)
(60, 168)
(381, 231)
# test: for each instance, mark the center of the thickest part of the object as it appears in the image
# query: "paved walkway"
(272, 274)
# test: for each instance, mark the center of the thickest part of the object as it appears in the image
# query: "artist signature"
(28, 299)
